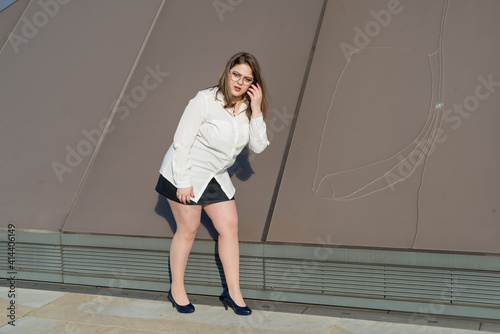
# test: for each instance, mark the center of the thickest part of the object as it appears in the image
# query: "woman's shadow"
(240, 169)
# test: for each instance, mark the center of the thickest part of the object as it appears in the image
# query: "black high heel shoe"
(226, 299)
(189, 308)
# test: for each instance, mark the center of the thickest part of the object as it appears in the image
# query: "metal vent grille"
(43, 260)
(310, 279)
(333, 278)
(206, 269)
(473, 287)
(115, 263)
(382, 281)
(124, 264)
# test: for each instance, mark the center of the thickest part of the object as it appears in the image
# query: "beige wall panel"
(460, 196)
(192, 42)
(9, 18)
(62, 80)
(362, 170)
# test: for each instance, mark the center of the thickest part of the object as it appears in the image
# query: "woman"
(214, 128)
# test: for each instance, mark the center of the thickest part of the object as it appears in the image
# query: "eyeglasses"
(236, 77)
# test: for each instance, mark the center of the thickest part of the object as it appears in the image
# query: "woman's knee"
(187, 231)
(228, 228)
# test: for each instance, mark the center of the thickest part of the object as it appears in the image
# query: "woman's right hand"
(185, 194)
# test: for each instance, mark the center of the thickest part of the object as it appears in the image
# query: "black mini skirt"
(213, 192)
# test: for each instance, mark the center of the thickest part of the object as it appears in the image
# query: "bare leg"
(225, 219)
(187, 218)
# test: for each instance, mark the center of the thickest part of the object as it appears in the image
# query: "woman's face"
(240, 79)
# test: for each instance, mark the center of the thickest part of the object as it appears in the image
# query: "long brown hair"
(223, 87)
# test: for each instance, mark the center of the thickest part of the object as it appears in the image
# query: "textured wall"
(119, 194)
(58, 79)
(394, 145)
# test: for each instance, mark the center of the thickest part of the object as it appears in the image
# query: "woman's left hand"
(255, 93)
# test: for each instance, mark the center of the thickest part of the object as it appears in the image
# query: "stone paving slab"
(42, 311)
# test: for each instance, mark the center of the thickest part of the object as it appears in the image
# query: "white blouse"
(207, 141)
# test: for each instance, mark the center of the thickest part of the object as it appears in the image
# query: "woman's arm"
(258, 135)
